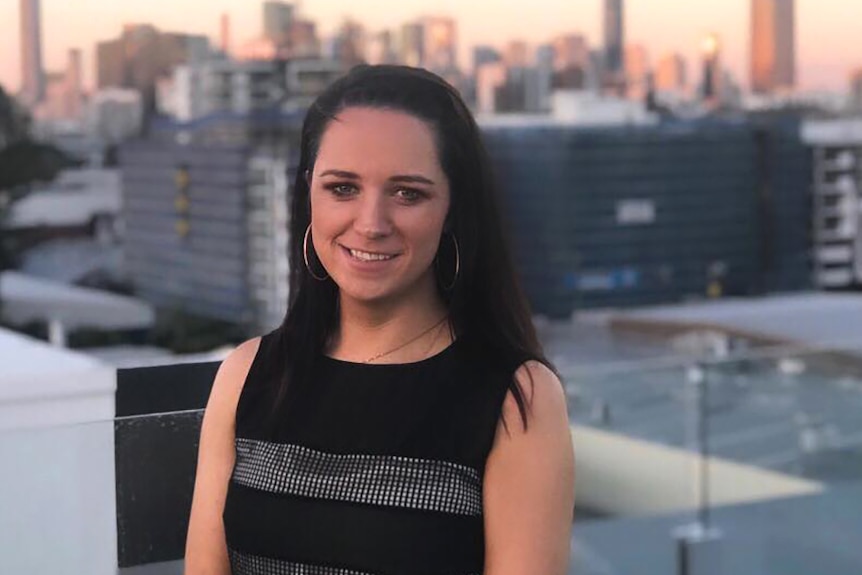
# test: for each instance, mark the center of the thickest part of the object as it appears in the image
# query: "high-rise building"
(63, 98)
(349, 43)
(412, 44)
(670, 74)
(614, 37)
(304, 42)
(710, 87)
(856, 89)
(74, 95)
(224, 38)
(571, 51)
(517, 54)
(32, 74)
(773, 45)
(485, 55)
(637, 70)
(490, 78)
(381, 48)
(277, 21)
(142, 55)
(52, 105)
(540, 80)
(440, 38)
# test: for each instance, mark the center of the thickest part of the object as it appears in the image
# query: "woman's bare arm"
(206, 551)
(529, 483)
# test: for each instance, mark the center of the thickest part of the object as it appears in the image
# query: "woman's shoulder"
(240, 366)
(233, 371)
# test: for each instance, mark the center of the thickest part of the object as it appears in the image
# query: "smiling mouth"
(368, 256)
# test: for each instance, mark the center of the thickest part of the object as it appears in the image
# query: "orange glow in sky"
(829, 45)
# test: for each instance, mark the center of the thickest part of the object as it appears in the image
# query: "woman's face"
(379, 198)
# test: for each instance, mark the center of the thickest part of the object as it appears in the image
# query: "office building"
(516, 54)
(637, 69)
(571, 51)
(243, 87)
(485, 55)
(837, 190)
(412, 44)
(278, 18)
(856, 90)
(773, 45)
(614, 44)
(490, 77)
(620, 216)
(32, 73)
(304, 42)
(115, 114)
(74, 97)
(440, 39)
(224, 34)
(381, 48)
(349, 44)
(670, 75)
(206, 220)
(142, 55)
(711, 70)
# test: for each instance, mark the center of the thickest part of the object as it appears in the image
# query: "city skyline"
(664, 26)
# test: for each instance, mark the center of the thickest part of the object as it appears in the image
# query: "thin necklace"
(379, 355)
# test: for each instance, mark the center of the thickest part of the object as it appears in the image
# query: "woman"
(372, 431)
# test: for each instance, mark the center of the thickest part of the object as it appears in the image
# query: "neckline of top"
(440, 354)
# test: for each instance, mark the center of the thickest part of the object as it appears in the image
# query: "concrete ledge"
(622, 475)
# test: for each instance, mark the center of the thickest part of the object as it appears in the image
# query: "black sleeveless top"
(376, 469)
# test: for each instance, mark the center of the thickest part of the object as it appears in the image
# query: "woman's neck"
(365, 331)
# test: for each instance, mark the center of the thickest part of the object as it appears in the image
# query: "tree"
(22, 163)
(14, 121)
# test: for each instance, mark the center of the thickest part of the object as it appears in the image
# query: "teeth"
(366, 256)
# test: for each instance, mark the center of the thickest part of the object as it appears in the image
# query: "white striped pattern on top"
(375, 479)
(245, 564)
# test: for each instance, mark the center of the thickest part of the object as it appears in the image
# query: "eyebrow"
(404, 178)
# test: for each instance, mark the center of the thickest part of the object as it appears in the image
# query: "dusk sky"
(829, 37)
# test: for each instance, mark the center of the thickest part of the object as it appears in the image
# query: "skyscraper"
(32, 75)
(485, 55)
(710, 87)
(73, 94)
(349, 44)
(773, 46)
(412, 44)
(381, 48)
(516, 54)
(224, 37)
(277, 20)
(670, 74)
(143, 54)
(614, 37)
(637, 71)
(856, 89)
(440, 37)
(571, 51)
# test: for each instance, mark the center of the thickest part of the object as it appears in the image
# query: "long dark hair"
(488, 311)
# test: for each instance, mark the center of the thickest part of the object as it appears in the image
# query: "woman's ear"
(308, 178)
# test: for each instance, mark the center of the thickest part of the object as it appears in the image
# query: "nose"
(372, 219)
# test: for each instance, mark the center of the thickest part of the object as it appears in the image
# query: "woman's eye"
(340, 190)
(410, 194)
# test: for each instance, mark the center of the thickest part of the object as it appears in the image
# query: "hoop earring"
(457, 263)
(305, 255)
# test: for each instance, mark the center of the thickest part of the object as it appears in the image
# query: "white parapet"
(57, 489)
